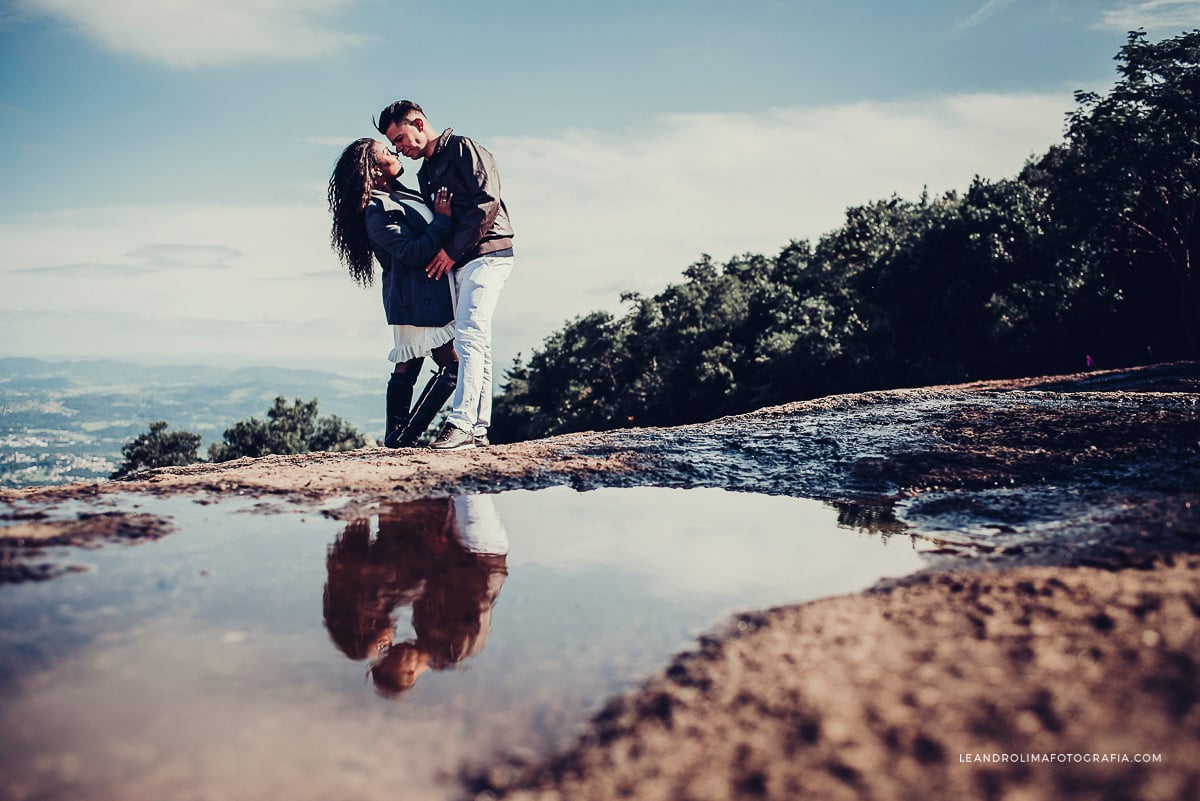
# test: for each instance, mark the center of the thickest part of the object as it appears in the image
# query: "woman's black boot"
(436, 392)
(399, 398)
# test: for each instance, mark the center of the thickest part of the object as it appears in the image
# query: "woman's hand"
(441, 201)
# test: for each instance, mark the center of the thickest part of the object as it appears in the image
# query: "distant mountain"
(67, 421)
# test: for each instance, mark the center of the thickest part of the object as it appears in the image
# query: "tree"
(1128, 177)
(569, 385)
(158, 448)
(1089, 252)
(289, 428)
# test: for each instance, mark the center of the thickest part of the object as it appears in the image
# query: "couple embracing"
(445, 250)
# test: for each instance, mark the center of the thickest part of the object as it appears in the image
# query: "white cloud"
(151, 258)
(632, 209)
(193, 33)
(171, 256)
(252, 292)
(344, 345)
(1158, 17)
(983, 13)
(595, 212)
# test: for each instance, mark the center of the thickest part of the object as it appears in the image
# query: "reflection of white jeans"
(478, 526)
(479, 282)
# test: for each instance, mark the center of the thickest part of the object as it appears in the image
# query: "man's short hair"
(396, 113)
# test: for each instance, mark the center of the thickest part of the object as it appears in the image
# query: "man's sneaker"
(481, 441)
(453, 439)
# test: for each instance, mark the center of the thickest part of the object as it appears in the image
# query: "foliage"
(1127, 180)
(158, 448)
(1088, 255)
(289, 428)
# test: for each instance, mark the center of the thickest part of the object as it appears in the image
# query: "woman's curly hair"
(349, 191)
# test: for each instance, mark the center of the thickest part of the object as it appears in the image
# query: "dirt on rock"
(1028, 683)
(1052, 643)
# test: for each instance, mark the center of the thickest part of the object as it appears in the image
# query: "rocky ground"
(1060, 617)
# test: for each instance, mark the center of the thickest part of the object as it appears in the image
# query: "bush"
(158, 448)
(289, 428)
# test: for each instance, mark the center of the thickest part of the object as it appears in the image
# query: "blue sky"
(163, 162)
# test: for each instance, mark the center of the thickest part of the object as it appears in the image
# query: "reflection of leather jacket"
(481, 223)
(404, 243)
(453, 616)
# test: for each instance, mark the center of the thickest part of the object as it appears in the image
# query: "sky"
(164, 163)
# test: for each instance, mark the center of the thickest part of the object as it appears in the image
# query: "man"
(479, 252)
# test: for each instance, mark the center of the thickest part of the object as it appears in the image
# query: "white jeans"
(479, 282)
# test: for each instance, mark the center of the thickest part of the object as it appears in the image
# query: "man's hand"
(440, 265)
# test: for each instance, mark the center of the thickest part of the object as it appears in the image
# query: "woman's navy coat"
(404, 243)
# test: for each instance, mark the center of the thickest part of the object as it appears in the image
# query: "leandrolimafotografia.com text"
(1061, 758)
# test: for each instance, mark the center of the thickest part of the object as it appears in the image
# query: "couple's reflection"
(446, 558)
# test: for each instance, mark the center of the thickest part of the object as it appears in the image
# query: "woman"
(376, 216)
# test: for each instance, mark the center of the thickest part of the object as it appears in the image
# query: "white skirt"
(414, 341)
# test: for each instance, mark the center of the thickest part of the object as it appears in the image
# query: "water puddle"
(269, 656)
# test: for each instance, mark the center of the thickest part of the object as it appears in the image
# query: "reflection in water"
(446, 558)
(188, 669)
(875, 519)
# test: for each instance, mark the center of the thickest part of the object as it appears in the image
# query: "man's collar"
(443, 140)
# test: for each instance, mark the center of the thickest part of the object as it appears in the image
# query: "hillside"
(62, 422)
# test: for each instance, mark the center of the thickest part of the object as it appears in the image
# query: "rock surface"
(902, 695)
(1060, 617)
